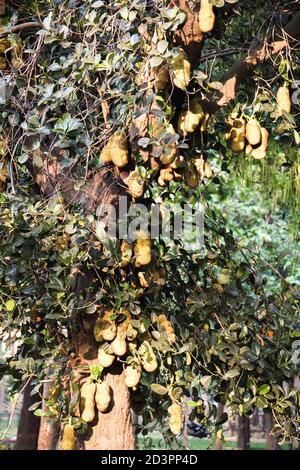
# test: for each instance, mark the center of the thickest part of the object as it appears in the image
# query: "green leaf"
(159, 389)
(205, 381)
(262, 402)
(264, 389)
(232, 373)
(10, 305)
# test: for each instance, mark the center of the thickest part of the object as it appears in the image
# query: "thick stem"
(29, 424)
(49, 431)
(243, 441)
(219, 442)
(272, 442)
(113, 430)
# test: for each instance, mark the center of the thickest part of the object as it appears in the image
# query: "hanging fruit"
(206, 16)
(253, 132)
(166, 326)
(136, 185)
(237, 135)
(261, 152)
(105, 329)
(283, 100)
(105, 359)
(87, 401)
(142, 249)
(103, 396)
(191, 176)
(175, 419)
(181, 69)
(133, 376)
(190, 119)
(68, 441)
(116, 150)
(148, 357)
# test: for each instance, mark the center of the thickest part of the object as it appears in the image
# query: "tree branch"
(258, 53)
(20, 27)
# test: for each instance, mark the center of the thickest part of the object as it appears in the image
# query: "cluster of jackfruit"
(118, 339)
(140, 251)
(248, 136)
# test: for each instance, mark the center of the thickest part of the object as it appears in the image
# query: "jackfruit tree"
(156, 102)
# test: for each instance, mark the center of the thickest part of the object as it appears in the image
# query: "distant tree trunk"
(29, 424)
(243, 440)
(219, 442)
(49, 432)
(113, 430)
(272, 442)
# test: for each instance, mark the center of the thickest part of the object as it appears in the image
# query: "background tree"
(102, 99)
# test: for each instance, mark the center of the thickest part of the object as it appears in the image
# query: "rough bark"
(29, 424)
(49, 431)
(219, 442)
(113, 429)
(190, 35)
(243, 438)
(272, 442)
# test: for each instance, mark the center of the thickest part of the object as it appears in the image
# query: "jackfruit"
(206, 16)
(87, 401)
(181, 70)
(103, 396)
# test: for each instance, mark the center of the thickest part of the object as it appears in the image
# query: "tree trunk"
(29, 424)
(49, 432)
(272, 442)
(113, 430)
(219, 442)
(243, 441)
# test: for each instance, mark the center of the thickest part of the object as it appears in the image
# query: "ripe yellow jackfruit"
(261, 152)
(142, 250)
(148, 357)
(103, 396)
(206, 16)
(253, 132)
(105, 359)
(237, 135)
(143, 280)
(105, 329)
(87, 401)
(166, 326)
(136, 186)
(116, 150)
(190, 119)
(132, 376)
(68, 441)
(283, 100)
(181, 70)
(175, 418)
(119, 345)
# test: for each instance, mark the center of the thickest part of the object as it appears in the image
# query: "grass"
(154, 441)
